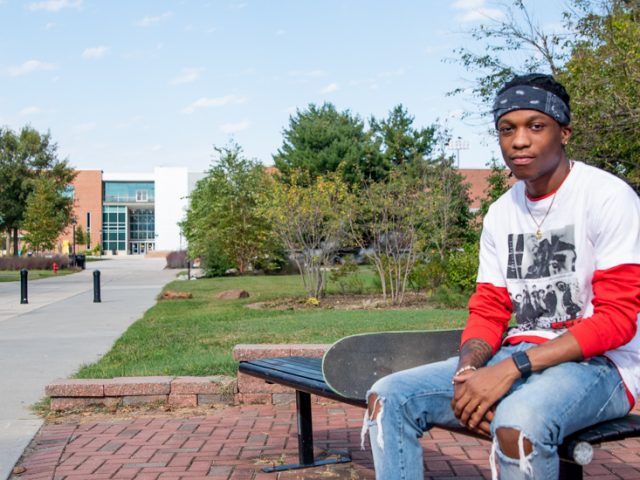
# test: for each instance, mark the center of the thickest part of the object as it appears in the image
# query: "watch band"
(523, 364)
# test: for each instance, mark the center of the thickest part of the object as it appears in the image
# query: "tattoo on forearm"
(475, 352)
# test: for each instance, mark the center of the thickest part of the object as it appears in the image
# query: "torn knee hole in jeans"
(373, 418)
(524, 459)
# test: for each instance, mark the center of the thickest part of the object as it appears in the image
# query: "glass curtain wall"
(114, 227)
(129, 192)
(142, 230)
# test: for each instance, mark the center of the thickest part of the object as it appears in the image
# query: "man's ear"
(565, 133)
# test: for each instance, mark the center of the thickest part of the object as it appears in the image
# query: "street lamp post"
(73, 223)
(457, 145)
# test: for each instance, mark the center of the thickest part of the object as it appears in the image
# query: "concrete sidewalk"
(61, 329)
(234, 443)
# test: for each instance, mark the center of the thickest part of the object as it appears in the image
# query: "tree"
(399, 142)
(309, 219)
(602, 76)
(497, 185)
(448, 200)
(598, 60)
(320, 140)
(46, 214)
(386, 219)
(80, 235)
(514, 44)
(226, 215)
(25, 157)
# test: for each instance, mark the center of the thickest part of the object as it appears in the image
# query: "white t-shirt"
(593, 223)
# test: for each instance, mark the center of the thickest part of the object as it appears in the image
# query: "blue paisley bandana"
(527, 97)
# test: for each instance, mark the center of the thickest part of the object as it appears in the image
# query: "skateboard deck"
(354, 363)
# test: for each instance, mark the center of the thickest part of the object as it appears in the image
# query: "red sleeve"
(616, 303)
(489, 313)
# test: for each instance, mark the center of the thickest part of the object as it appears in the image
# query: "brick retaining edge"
(69, 394)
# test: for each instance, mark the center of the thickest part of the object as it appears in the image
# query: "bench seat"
(304, 374)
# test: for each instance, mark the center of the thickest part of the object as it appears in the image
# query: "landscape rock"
(171, 295)
(234, 294)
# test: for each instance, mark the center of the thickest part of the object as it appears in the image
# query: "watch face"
(521, 359)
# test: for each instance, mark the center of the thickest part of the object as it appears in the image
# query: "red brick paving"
(234, 443)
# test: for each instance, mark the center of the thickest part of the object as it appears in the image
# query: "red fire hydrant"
(54, 267)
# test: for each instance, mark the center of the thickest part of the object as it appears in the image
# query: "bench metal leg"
(305, 439)
(570, 471)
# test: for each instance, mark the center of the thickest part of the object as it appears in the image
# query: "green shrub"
(462, 268)
(273, 261)
(447, 297)
(347, 278)
(214, 262)
(428, 274)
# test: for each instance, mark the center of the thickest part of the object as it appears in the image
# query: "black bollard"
(96, 286)
(188, 269)
(24, 298)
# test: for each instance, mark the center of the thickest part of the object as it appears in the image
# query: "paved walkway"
(59, 330)
(234, 443)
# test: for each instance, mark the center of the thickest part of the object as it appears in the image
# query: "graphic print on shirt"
(541, 279)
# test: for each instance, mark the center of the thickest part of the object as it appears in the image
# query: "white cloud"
(467, 4)
(392, 73)
(150, 20)
(307, 73)
(205, 102)
(235, 127)
(95, 52)
(332, 87)
(367, 82)
(237, 5)
(84, 127)
(29, 66)
(188, 75)
(156, 148)
(475, 11)
(280, 32)
(55, 5)
(32, 110)
(50, 26)
(130, 122)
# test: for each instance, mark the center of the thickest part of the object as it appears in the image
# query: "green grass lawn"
(14, 275)
(196, 336)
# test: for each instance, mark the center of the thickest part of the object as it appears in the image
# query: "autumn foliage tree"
(309, 219)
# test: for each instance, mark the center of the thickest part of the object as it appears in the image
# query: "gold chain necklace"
(539, 224)
(553, 199)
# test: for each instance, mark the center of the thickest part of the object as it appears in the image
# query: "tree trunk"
(15, 242)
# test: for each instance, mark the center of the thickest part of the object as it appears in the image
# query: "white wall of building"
(172, 190)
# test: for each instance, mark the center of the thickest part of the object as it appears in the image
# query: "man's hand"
(477, 392)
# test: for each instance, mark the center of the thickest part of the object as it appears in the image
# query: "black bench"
(305, 376)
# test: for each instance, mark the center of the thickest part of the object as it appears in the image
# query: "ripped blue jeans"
(545, 408)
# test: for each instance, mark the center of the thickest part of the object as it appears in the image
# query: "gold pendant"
(538, 235)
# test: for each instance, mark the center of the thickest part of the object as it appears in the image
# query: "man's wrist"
(522, 363)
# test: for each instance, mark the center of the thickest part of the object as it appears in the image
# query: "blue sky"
(124, 86)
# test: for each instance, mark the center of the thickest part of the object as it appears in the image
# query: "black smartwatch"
(523, 364)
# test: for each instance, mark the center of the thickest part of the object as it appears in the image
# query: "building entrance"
(140, 248)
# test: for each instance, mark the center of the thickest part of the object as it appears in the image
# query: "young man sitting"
(562, 368)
